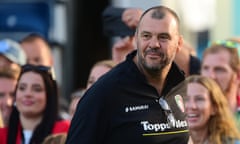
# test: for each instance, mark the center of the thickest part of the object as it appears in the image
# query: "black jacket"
(122, 108)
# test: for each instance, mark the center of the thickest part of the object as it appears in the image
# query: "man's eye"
(205, 67)
(146, 36)
(164, 38)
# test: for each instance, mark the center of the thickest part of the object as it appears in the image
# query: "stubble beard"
(154, 69)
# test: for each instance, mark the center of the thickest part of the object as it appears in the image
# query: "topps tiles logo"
(147, 126)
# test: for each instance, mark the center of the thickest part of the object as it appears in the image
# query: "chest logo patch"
(179, 101)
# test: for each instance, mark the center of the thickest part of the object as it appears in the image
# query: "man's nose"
(154, 42)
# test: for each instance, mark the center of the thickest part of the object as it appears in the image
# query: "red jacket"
(59, 127)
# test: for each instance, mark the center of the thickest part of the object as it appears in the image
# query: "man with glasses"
(139, 101)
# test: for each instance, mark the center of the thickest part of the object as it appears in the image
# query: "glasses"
(168, 112)
(228, 44)
(36, 68)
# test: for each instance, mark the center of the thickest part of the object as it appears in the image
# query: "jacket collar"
(174, 77)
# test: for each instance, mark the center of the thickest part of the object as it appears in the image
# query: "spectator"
(221, 62)
(75, 97)
(236, 41)
(209, 117)
(35, 115)
(130, 104)
(37, 50)
(11, 54)
(99, 69)
(11, 58)
(8, 81)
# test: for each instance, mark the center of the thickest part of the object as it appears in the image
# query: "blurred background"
(74, 29)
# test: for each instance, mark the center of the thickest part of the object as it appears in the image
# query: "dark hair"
(50, 114)
(159, 12)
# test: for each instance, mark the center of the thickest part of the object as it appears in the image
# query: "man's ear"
(180, 43)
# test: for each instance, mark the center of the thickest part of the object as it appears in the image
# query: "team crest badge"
(179, 101)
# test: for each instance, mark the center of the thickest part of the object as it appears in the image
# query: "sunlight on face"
(37, 53)
(198, 106)
(217, 67)
(157, 42)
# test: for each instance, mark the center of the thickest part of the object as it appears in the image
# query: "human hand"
(131, 17)
(121, 48)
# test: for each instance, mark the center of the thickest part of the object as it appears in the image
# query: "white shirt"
(27, 136)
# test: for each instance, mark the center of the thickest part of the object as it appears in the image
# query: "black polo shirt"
(122, 108)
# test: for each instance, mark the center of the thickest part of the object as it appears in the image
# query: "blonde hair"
(234, 58)
(221, 126)
(108, 63)
(55, 139)
(103, 63)
(1, 120)
(10, 73)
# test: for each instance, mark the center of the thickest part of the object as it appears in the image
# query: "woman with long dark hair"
(35, 113)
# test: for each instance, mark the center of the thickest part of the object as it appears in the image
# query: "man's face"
(7, 87)
(37, 53)
(157, 42)
(216, 66)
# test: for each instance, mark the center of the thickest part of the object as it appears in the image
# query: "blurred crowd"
(33, 112)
